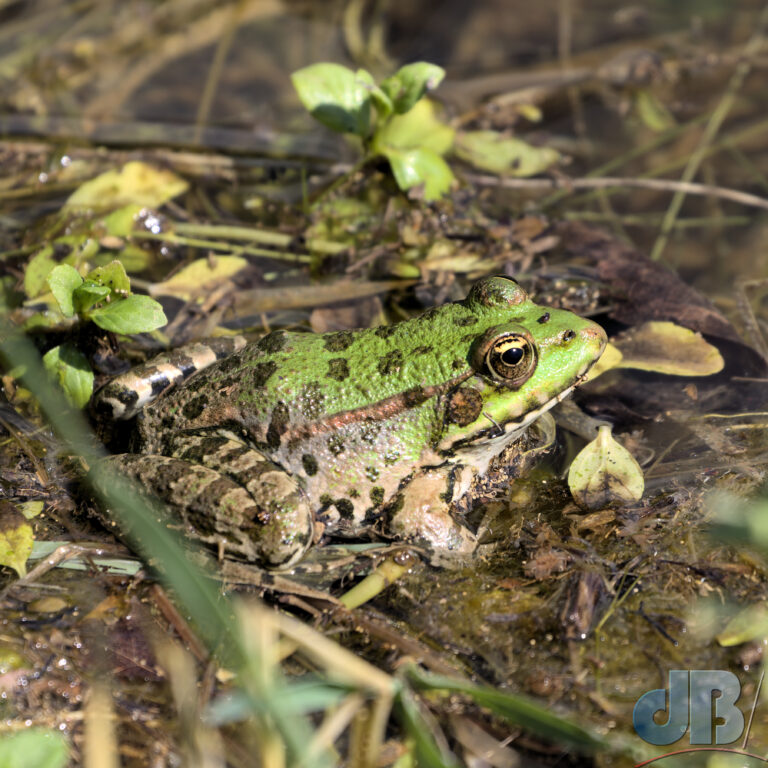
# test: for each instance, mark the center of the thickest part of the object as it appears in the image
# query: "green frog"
(382, 429)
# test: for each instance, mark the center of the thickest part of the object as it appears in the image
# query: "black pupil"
(512, 356)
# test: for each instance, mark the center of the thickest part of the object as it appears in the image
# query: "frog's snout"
(592, 339)
(594, 336)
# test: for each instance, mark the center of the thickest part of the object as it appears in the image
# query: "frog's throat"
(383, 409)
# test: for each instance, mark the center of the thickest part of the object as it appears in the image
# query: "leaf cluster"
(103, 297)
(391, 118)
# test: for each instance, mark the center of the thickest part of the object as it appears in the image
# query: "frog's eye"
(508, 354)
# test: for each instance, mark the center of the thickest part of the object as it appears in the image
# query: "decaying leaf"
(199, 277)
(16, 538)
(665, 347)
(604, 473)
(135, 183)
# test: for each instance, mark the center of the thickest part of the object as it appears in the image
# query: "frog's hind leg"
(421, 512)
(229, 496)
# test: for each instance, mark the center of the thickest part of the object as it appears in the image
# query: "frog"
(263, 448)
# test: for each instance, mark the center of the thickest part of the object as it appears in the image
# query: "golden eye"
(508, 354)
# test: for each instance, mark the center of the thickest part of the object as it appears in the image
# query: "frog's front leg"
(230, 496)
(421, 512)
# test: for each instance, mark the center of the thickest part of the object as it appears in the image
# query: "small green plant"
(103, 297)
(392, 119)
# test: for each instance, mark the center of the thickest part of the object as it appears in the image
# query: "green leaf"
(16, 538)
(410, 83)
(67, 365)
(336, 96)
(88, 294)
(420, 167)
(382, 102)
(135, 314)
(604, 472)
(63, 280)
(37, 271)
(34, 748)
(493, 151)
(113, 276)
(135, 183)
(420, 127)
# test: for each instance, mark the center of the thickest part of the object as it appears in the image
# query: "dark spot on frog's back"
(346, 508)
(195, 407)
(273, 342)
(335, 445)
(463, 321)
(309, 462)
(278, 424)
(385, 331)
(425, 350)
(390, 363)
(229, 364)
(338, 369)
(377, 496)
(338, 342)
(262, 372)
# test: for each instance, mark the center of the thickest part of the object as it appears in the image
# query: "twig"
(710, 131)
(665, 185)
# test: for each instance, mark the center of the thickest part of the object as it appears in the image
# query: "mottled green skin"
(379, 420)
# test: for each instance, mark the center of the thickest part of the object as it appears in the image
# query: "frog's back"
(303, 378)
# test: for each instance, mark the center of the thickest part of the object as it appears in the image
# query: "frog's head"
(525, 359)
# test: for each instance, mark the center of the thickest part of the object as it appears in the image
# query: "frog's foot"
(421, 513)
(229, 496)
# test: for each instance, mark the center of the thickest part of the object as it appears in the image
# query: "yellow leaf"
(16, 539)
(31, 509)
(605, 472)
(199, 277)
(665, 347)
(611, 358)
(135, 183)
